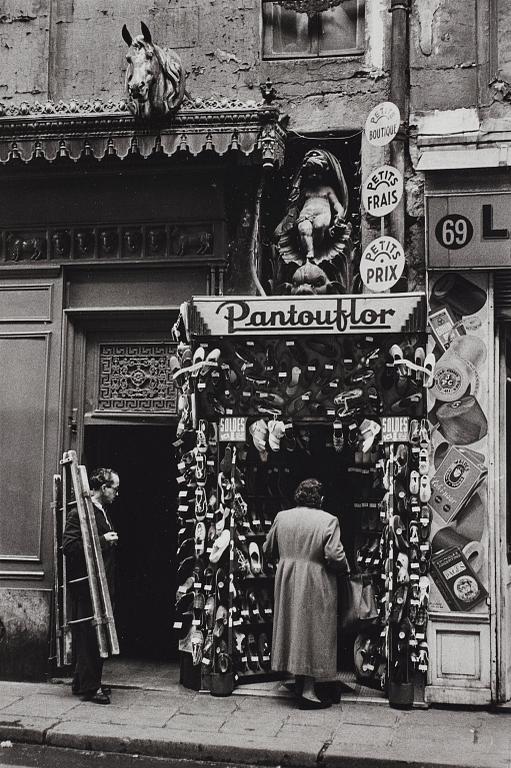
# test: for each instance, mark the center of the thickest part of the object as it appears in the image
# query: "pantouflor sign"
(382, 124)
(382, 190)
(382, 264)
(283, 315)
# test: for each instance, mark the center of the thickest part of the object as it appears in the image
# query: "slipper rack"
(307, 406)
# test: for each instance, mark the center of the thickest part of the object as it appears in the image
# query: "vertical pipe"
(399, 84)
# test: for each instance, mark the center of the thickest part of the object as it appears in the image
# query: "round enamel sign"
(382, 124)
(382, 190)
(382, 264)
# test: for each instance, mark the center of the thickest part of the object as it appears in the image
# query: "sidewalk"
(250, 729)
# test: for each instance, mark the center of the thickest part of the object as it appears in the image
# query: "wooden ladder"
(71, 490)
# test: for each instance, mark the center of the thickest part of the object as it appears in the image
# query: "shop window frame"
(343, 53)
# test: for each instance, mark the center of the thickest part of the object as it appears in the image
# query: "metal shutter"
(502, 294)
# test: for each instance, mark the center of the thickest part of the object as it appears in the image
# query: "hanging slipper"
(221, 586)
(221, 618)
(223, 662)
(208, 650)
(186, 549)
(209, 612)
(184, 604)
(276, 431)
(413, 532)
(253, 606)
(259, 432)
(263, 648)
(197, 642)
(201, 504)
(226, 462)
(184, 588)
(208, 578)
(425, 489)
(255, 558)
(429, 370)
(338, 437)
(414, 432)
(252, 655)
(402, 562)
(414, 482)
(200, 538)
(368, 431)
(423, 461)
(219, 546)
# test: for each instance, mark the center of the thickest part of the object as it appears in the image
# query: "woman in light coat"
(307, 543)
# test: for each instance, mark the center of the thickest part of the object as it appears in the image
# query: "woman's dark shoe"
(106, 690)
(305, 703)
(96, 697)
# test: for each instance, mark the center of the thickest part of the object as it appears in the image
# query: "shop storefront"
(275, 390)
(468, 256)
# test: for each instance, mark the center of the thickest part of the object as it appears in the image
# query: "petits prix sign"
(469, 230)
(282, 315)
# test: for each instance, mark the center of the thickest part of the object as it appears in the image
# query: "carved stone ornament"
(308, 6)
(155, 79)
(313, 250)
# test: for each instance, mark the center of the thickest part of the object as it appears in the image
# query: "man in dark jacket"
(104, 485)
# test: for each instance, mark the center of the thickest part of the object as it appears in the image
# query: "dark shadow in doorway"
(144, 516)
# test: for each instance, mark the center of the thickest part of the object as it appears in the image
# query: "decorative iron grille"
(136, 378)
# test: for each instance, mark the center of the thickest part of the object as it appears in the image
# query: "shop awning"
(95, 129)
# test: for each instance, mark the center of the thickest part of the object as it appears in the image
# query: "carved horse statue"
(155, 79)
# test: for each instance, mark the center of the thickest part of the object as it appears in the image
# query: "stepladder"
(72, 496)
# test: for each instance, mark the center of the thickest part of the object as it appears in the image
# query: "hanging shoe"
(255, 558)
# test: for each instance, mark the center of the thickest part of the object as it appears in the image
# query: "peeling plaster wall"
(62, 49)
(443, 70)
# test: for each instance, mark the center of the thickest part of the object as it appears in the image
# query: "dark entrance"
(145, 517)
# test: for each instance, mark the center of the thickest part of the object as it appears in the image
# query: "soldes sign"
(469, 230)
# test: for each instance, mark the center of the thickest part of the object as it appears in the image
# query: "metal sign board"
(394, 429)
(469, 230)
(290, 315)
(382, 264)
(232, 429)
(382, 124)
(382, 190)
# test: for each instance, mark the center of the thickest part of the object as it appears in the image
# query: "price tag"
(282, 374)
(244, 659)
(201, 386)
(181, 466)
(178, 625)
(181, 479)
(256, 521)
(206, 662)
(182, 508)
(196, 622)
(197, 585)
(268, 610)
(266, 657)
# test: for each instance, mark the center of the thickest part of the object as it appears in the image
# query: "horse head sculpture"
(155, 79)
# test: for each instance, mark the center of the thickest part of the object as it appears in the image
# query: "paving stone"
(42, 705)
(196, 723)
(88, 712)
(306, 732)
(205, 704)
(26, 728)
(258, 726)
(374, 735)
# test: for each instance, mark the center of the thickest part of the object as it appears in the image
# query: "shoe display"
(308, 406)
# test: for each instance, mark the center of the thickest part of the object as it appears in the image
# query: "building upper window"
(336, 32)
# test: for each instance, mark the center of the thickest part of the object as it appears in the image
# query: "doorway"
(144, 516)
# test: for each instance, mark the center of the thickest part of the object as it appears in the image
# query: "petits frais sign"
(283, 315)
(382, 190)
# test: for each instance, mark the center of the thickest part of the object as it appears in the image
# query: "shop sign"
(382, 124)
(382, 190)
(232, 429)
(394, 429)
(283, 315)
(469, 230)
(382, 264)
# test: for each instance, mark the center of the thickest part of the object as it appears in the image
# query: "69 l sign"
(469, 229)
(454, 231)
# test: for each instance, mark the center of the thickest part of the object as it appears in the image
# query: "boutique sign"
(278, 315)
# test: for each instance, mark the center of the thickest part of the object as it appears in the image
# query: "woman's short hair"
(309, 493)
(101, 476)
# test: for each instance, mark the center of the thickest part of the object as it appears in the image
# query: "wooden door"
(118, 372)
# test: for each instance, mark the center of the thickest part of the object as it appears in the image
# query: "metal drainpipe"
(399, 75)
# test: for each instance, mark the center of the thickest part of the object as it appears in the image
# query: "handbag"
(357, 601)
